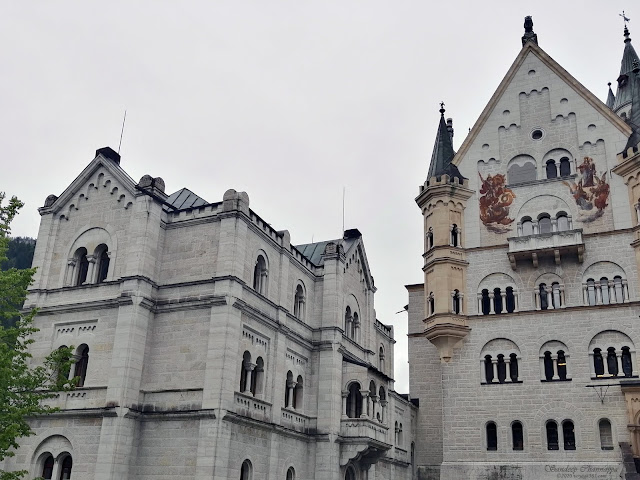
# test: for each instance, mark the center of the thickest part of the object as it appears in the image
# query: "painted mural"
(494, 203)
(591, 193)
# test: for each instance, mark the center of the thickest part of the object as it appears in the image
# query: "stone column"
(460, 302)
(374, 402)
(494, 361)
(536, 228)
(504, 300)
(570, 222)
(536, 294)
(365, 399)
(625, 291)
(518, 362)
(452, 307)
(612, 292)
(507, 363)
(516, 301)
(383, 410)
(619, 358)
(597, 287)
(249, 367)
(637, 205)
(459, 235)
(554, 357)
(605, 362)
(563, 302)
(344, 404)
(519, 229)
(483, 372)
(91, 270)
(554, 225)
(492, 303)
(585, 293)
(549, 293)
(480, 304)
(290, 387)
(68, 276)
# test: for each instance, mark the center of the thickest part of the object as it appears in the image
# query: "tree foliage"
(19, 253)
(24, 389)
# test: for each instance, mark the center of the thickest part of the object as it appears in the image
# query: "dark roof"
(611, 99)
(443, 154)
(185, 198)
(629, 56)
(314, 251)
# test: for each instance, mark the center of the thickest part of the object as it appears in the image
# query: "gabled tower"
(442, 200)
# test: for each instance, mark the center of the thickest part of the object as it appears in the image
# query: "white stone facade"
(212, 343)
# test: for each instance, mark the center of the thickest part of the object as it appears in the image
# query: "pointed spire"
(443, 152)
(623, 93)
(611, 98)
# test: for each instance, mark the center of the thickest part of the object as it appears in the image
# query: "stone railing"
(297, 421)
(252, 407)
(401, 454)
(80, 398)
(364, 427)
(552, 244)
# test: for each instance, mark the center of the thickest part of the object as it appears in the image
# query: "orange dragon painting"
(494, 203)
(592, 190)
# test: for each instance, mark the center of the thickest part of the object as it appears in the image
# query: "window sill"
(544, 380)
(498, 383)
(613, 377)
(541, 181)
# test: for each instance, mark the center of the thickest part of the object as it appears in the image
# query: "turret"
(442, 200)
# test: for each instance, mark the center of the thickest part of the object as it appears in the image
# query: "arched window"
(527, 226)
(517, 436)
(102, 255)
(612, 362)
(552, 435)
(456, 301)
(354, 401)
(563, 222)
(381, 358)
(298, 400)
(298, 303)
(544, 224)
(565, 167)
(606, 435)
(65, 469)
(591, 291)
(497, 300)
(627, 365)
(383, 404)
(348, 321)
(548, 366)
(289, 386)
(454, 235)
(562, 365)
(513, 367)
(244, 369)
(604, 290)
(246, 471)
(552, 170)
(291, 474)
(350, 474)
(617, 286)
(492, 436)
(486, 302)
(260, 274)
(510, 300)
(82, 266)
(355, 326)
(556, 298)
(502, 369)
(432, 304)
(81, 364)
(544, 299)
(430, 238)
(598, 362)
(488, 368)
(568, 435)
(400, 436)
(413, 459)
(257, 378)
(47, 467)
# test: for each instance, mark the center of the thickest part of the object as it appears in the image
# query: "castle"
(209, 346)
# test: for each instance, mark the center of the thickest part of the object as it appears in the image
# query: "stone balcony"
(363, 439)
(553, 244)
(363, 428)
(82, 398)
(252, 407)
(297, 421)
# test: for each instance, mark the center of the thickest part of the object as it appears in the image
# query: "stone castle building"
(210, 347)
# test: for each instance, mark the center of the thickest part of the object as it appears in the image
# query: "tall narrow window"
(606, 436)
(517, 436)
(65, 469)
(502, 369)
(555, 295)
(544, 224)
(568, 435)
(548, 366)
(456, 301)
(497, 300)
(82, 364)
(244, 368)
(513, 364)
(552, 435)
(354, 401)
(492, 436)
(627, 366)
(348, 320)
(486, 302)
(604, 290)
(552, 170)
(488, 368)
(350, 474)
(355, 326)
(430, 238)
(82, 266)
(562, 365)
(291, 474)
(288, 390)
(102, 254)
(257, 379)
(544, 299)
(381, 358)
(454, 235)
(260, 275)
(510, 300)
(563, 222)
(565, 167)
(47, 467)
(246, 471)
(591, 291)
(598, 362)
(432, 304)
(612, 362)
(527, 227)
(298, 302)
(298, 400)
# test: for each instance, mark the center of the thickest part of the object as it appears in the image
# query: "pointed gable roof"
(624, 92)
(611, 99)
(443, 153)
(531, 48)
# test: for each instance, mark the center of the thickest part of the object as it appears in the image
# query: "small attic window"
(537, 134)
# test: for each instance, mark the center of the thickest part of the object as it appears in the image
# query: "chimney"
(109, 153)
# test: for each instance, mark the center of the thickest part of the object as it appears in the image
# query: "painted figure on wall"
(494, 203)
(592, 190)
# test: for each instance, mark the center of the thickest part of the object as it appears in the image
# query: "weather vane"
(625, 18)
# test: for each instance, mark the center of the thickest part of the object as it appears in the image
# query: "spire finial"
(529, 34)
(625, 19)
(609, 84)
(442, 110)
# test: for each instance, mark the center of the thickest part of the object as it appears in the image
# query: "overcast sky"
(289, 101)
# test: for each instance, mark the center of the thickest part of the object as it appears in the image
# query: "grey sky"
(289, 101)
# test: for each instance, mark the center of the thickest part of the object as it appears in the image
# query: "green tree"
(24, 389)
(19, 254)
